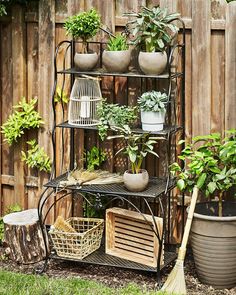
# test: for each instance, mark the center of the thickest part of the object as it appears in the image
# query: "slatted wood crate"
(130, 237)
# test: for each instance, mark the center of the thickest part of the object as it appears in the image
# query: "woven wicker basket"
(81, 244)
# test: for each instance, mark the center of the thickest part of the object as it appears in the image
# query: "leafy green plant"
(61, 96)
(114, 114)
(2, 10)
(10, 209)
(152, 28)
(94, 158)
(24, 117)
(36, 157)
(84, 25)
(135, 146)
(153, 101)
(117, 43)
(210, 163)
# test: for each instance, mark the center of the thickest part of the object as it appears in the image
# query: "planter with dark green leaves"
(136, 147)
(116, 57)
(84, 26)
(152, 106)
(153, 31)
(210, 162)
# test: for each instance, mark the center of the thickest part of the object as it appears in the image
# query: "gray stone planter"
(136, 182)
(152, 63)
(116, 61)
(213, 241)
(85, 61)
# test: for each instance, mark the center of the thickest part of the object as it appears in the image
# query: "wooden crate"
(129, 236)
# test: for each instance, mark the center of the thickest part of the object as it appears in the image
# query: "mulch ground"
(114, 277)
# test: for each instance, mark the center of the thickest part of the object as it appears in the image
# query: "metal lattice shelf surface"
(131, 74)
(99, 257)
(156, 187)
(167, 129)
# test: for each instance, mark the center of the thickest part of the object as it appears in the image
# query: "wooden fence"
(28, 39)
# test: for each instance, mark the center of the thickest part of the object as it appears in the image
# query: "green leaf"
(201, 180)
(211, 187)
(181, 184)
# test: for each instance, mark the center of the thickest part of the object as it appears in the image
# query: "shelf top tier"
(131, 74)
(163, 133)
(156, 187)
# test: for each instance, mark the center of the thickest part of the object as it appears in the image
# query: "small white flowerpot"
(153, 121)
(136, 182)
(152, 63)
(85, 61)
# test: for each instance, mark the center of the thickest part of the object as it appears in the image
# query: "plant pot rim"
(163, 52)
(105, 50)
(129, 171)
(213, 218)
(86, 53)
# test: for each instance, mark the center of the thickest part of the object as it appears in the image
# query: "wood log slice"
(23, 237)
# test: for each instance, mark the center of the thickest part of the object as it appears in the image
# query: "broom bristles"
(175, 282)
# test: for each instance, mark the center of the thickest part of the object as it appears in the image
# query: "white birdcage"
(84, 99)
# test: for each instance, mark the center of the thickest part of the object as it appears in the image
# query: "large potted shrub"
(116, 56)
(210, 162)
(152, 106)
(153, 30)
(136, 147)
(84, 26)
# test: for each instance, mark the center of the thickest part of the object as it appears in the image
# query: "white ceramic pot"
(152, 121)
(85, 61)
(136, 182)
(116, 61)
(152, 63)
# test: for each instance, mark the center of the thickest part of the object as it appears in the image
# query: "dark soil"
(114, 277)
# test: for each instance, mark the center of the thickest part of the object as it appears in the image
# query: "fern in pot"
(153, 31)
(84, 26)
(136, 147)
(152, 106)
(210, 163)
(116, 56)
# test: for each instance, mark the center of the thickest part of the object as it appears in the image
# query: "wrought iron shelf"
(165, 132)
(131, 74)
(99, 257)
(156, 187)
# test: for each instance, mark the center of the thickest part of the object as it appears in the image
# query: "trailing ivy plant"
(24, 117)
(36, 157)
(94, 158)
(114, 114)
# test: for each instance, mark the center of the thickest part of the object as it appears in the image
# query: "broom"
(175, 282)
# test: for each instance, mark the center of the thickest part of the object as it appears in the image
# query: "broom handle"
(182, 249)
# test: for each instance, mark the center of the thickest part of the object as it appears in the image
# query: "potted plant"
(153, 109)
(136, 147)
(110, 114)
(210, 162)
(153, 31)
(84, 25)
(116, 56)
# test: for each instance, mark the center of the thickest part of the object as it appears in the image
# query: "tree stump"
(23, 237)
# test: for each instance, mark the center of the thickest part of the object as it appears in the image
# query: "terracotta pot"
(213, 241)
(116, 61)
(152, 121)
(136, 182)
(152, 63)
(85, 61)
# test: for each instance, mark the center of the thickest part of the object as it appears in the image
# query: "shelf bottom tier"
(99, 257)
